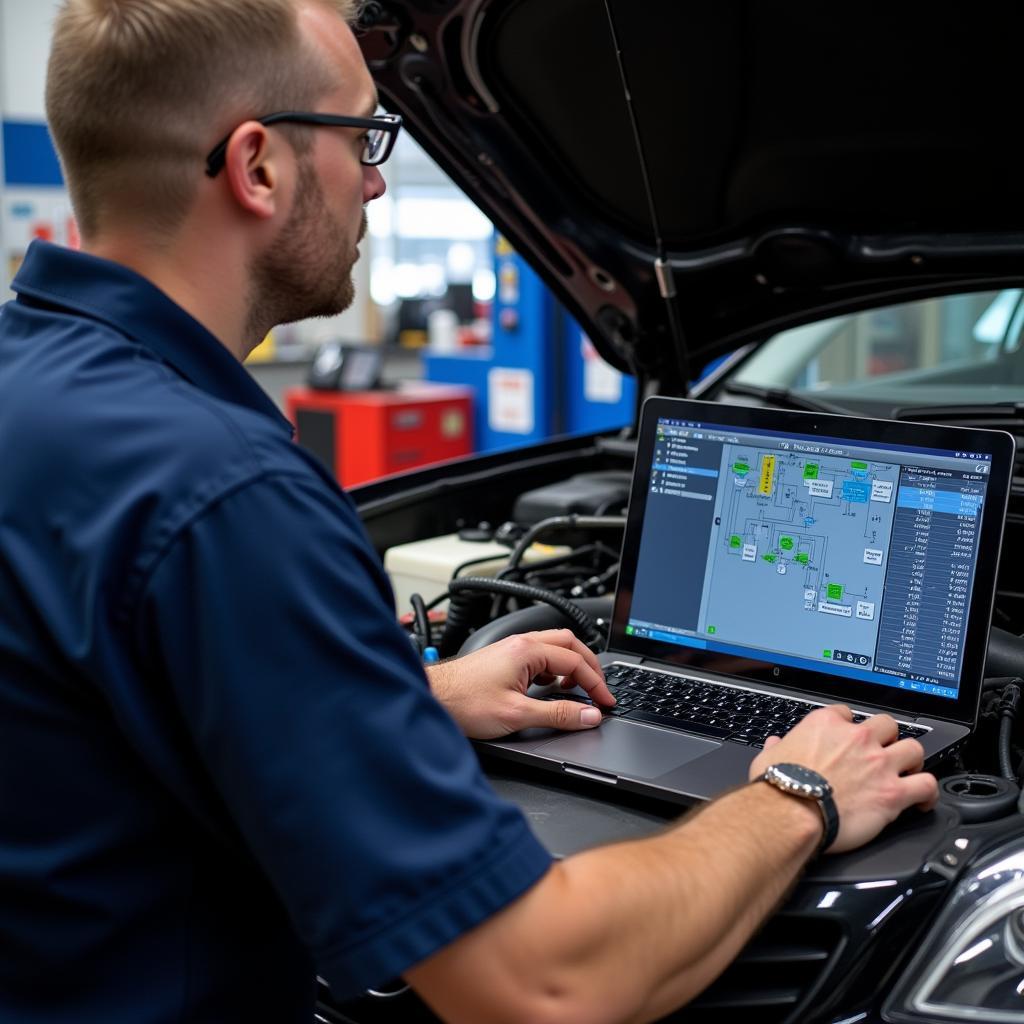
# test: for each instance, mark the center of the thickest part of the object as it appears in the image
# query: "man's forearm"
(633, 930)
(736, 886)
(708, 884)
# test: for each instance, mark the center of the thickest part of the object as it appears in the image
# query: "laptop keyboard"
(710, 709)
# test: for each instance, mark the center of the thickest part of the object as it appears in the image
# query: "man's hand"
(874, 776)
(485, 692)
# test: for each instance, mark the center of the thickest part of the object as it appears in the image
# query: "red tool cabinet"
(363, 435)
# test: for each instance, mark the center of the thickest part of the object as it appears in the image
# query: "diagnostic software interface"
(845, 557)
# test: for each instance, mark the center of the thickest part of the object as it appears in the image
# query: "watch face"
(800, 779)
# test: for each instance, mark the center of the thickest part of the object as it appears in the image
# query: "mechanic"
(223, 772)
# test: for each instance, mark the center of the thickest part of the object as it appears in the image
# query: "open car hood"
(801, 158)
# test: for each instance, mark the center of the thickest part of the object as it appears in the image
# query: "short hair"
(138, 90)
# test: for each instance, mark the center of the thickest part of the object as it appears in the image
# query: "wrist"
(801, 819)
(437, 674)
(804, 784)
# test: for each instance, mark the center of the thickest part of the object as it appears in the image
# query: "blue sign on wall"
(29, 156)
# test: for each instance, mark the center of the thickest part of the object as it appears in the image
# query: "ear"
(253, 168)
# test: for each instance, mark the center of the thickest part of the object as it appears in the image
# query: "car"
(801, 205)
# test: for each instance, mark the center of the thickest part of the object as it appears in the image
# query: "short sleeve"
(269, 621)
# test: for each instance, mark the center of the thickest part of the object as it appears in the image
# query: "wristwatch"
(796, 780)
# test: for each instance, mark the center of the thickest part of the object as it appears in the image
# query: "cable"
(473, 561)
(1007, 708)
(462, 618)
(1005, 764)
(598, 582)
(421, 622)
(591, 633)
(556, 560)
(573, 521)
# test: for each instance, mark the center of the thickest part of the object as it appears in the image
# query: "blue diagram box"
(856, 490)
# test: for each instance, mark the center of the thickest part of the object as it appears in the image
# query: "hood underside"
(780, 161)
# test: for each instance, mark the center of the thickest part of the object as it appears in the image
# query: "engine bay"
(531, 540)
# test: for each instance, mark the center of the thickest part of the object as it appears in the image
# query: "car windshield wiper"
(1007, 415)
(784, 397)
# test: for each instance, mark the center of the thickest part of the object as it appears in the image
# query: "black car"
(814, 206)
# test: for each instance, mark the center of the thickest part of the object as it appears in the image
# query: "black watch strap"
(805, 784)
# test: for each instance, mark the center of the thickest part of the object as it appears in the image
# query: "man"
(222, 770)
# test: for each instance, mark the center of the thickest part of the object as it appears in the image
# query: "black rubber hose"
(462, 618)
(1005, 765)
(537, 616)
(1005, 653)
(1007, 707)
(587, 627)
(421, 621)
(569, 522)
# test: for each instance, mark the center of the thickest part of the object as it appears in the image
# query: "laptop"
(774, 561)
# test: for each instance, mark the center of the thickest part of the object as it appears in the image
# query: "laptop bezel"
(999, 445)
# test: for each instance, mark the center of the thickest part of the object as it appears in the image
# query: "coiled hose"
(464, 596)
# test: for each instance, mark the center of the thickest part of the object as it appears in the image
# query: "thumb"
(568, 715)
(771, 741)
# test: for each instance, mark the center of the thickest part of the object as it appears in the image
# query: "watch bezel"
(797, 779)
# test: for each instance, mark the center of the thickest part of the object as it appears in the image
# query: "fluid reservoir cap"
(979, 797)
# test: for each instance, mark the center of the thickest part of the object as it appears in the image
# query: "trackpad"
(627, 749)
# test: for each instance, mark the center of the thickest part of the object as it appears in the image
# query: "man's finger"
(882, 727)
(567, 662)
(568, 715)
(842, 709)
(568, 639)
(907, 755)
(921, 789)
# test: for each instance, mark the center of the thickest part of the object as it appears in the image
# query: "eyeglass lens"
(375, 146)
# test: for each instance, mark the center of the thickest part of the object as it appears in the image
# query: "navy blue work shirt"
(221, 770)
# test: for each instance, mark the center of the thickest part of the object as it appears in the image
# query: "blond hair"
(138, 91)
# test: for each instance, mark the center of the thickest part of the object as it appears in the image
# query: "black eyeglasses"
(377, 144)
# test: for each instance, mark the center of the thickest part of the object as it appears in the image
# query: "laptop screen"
(810, 549)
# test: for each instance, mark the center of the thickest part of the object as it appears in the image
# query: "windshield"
(959, 349)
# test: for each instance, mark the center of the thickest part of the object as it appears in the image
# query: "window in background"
(958, 348)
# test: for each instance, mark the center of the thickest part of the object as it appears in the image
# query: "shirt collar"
(126, 301)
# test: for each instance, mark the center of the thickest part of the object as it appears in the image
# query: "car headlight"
(971, 964)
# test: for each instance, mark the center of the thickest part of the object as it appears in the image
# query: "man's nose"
(374, 185)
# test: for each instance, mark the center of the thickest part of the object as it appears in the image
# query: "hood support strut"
(662, 268)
